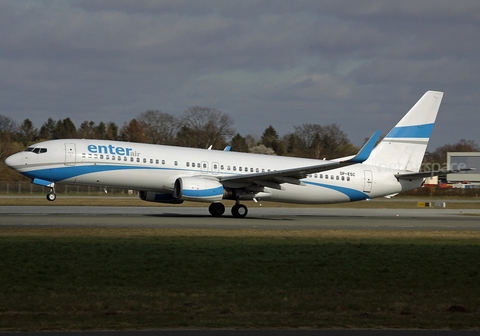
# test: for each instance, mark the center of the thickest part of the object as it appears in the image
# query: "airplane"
(172, 175)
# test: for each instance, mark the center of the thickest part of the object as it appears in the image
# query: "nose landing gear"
(51, 196)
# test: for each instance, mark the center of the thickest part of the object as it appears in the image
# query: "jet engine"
(198, 189)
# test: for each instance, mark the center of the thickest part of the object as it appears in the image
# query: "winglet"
(366, 150)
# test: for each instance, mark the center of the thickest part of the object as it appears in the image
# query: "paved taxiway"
(258, 217)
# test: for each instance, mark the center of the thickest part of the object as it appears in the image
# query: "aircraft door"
(70, 154)
(367, 186)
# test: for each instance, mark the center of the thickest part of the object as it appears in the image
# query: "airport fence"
(27, 188)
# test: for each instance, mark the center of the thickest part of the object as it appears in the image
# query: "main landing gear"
(238, 210)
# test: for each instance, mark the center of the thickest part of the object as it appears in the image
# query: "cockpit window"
(36, 150)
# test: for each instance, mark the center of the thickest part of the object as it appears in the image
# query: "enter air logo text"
(111, 149)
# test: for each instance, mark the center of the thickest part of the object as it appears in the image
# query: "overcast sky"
(360, 64)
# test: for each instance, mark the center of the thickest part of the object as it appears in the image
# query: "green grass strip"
(154, 280)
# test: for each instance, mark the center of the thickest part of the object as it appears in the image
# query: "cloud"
(280, 63)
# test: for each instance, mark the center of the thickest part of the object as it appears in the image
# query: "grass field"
(97, 278)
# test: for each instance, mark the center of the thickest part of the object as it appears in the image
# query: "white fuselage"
(155, 168)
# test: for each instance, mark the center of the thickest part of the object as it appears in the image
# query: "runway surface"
(258, 217)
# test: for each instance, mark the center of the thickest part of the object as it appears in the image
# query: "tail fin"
(404, 146)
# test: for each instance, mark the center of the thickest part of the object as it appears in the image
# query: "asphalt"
(258, 217)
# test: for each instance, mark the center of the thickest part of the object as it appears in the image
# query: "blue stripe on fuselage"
(63, 173)
(353, 194)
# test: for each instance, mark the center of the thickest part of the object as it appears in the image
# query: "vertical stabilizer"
(404, 146)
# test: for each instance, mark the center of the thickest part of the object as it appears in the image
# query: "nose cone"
(13, 161)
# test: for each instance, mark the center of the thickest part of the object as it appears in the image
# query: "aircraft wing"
(293, 175)
(414, 176)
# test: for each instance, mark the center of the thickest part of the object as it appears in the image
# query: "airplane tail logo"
(404, 146)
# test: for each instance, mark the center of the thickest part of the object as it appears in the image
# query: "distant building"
(456, 160)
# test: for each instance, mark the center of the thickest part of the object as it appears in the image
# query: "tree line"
(198, 127)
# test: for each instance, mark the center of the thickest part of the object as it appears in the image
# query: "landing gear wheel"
(239, 211)
(216, 209)
(51, 196)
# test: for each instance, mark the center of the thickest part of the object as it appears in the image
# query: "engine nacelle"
(151, 196)
(198, 189)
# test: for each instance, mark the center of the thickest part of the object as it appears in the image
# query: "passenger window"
(132, 159)
(326, 176)
(331, 177)
(89, 155)
(215, 166)
(125, 158)
(138, 159)
(343, 178)
(348, 178)
(315, 175)
(144, 160)
(204, 165)
(175, 163)
(193, 164)
(337, 177)
(221, 167)
(188, 164)
(228, 167)
(234, 168)
(239, 168)
(101, 156)
(251, 170)
(151, 160)
(163, 161)
(156, 161)
(107, 157)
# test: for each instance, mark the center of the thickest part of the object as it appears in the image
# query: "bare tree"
(316, 141)
(160, 127)
(208, 126)
(439, 155)
(132, 131)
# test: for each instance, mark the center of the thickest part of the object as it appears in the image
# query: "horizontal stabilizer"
(414, 176)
